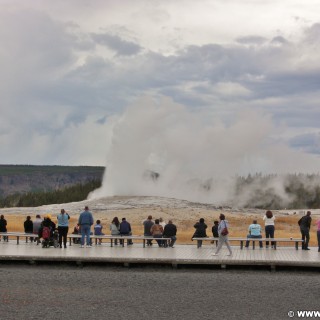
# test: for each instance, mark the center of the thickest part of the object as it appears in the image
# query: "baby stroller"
(50, 238)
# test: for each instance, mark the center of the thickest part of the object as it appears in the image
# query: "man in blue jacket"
(85, 222)
(125, 230)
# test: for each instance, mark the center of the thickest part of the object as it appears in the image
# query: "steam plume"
(164, 149)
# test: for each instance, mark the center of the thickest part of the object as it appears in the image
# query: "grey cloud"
(251, 40)
(45, 89)
(312, 34)
(117, 44)
(307, 142)
(279, 40)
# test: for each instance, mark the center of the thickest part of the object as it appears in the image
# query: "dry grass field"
(286, 225)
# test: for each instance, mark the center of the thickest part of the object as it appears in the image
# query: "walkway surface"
(179, 255)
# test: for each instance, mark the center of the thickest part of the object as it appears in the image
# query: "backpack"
(46, 233)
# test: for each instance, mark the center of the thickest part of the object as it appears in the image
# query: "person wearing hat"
(47, 222)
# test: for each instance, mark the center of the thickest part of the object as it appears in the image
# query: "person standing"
(305, 224)
(269, 227)
(223, 235)
(85, 221)
(3, 227)
(200, 231)
(147, 229)
(318, 233)
(170, 231)
(28, 227)
(63, 227)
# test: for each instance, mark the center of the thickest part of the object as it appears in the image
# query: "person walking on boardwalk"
(305, 224)
(254, 233)
(269, 227)
(223, 230)
(63, 227)
(147, 224)
(3, 227)
(85, 221)
(170, 231)
(318, 233)
(28, 227)
(115, 228)
(200, 231)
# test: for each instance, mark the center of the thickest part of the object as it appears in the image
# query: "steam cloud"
(196, 154)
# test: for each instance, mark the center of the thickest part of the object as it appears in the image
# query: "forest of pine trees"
(77, 192)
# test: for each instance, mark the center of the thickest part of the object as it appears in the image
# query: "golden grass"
(286, 226)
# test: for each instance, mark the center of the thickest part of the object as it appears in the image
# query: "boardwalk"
(179, 255)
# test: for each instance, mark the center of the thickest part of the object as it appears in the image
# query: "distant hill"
(21, 179)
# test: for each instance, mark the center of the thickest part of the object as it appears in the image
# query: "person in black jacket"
(3, 227)
(28, 227)
(200, 231)
(170, 231)
(215, 232)
(305, 224)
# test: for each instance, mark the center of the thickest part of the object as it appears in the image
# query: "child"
(215, 231)
(98, 230)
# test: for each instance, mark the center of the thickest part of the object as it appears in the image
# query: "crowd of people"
(156, 230)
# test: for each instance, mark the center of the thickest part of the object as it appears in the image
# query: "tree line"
(77, 192)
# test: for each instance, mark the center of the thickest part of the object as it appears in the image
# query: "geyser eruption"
(165, 149)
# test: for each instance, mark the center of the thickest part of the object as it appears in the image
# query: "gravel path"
(100, 292)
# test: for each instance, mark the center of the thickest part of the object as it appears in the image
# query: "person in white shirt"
(269, 227)
(162, 223)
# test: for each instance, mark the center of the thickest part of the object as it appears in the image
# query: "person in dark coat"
(125, 230)
(170, 231)
(305, 224)
(147, 224)
(47, 222)
(200, 231)
(215, 232)
(28, 227)
(3, 227)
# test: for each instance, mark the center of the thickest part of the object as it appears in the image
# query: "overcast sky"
(70, 69)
